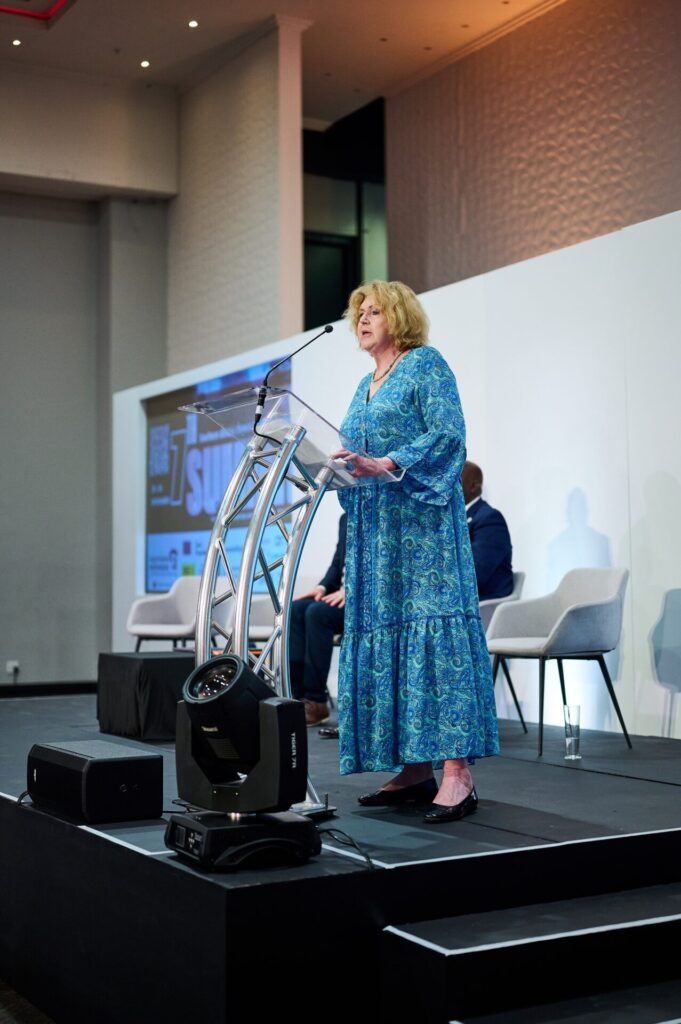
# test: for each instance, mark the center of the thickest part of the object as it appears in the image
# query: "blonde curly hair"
(407, 321)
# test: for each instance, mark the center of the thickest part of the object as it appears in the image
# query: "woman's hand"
(337, 599)
(360, 465)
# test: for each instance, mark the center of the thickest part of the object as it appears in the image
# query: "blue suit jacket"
(334, 574)
(491, 543)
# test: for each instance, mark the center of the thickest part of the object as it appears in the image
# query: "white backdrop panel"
(557, 439)
(652, 306)
(568, 368)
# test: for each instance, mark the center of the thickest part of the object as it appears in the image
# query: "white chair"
(580, 620)
(170, 616)
(487, 608)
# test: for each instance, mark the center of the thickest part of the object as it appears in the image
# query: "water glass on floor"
(571, 713)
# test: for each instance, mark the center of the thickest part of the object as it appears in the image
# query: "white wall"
(568, 367)
(235, 243)
(68, 130)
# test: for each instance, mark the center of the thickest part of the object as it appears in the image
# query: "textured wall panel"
(564, 130)
(224, 228)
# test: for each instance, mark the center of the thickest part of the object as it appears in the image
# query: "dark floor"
(14, 1009)
(524, 800)
(643, 1004)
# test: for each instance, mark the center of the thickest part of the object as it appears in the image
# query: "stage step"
(463, 967)
(640, 1004)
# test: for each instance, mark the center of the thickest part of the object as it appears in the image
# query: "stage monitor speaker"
(95, 781)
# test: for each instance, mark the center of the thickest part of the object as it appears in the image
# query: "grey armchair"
(488, 608)
(580, 620)
(170, 616)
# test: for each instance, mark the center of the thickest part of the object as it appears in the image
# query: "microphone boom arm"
(264, 387)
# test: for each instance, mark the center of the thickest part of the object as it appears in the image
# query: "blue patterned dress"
(415, 683)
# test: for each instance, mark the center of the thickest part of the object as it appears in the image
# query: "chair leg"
(542, 669)
(562, 680)
(513, 693)
(495, 667)
(138, 644)
(613, 697)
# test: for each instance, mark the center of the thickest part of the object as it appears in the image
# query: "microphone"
(264, 387)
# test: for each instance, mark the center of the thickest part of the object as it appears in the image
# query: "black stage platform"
(559, 897)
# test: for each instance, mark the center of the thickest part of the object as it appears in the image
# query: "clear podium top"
(222, 404)
(282, 410)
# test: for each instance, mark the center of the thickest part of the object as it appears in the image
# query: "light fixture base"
(226, 842)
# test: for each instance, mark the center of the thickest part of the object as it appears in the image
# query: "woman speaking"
(415, 686)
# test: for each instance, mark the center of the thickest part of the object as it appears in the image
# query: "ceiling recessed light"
(193, 24)
(144, 63)
(16, 42)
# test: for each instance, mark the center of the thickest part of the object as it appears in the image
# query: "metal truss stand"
(261, 472)
(286, 475)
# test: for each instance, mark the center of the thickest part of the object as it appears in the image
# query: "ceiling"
(353, 50)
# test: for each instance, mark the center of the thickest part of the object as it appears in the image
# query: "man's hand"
(337, 599)
(316, 594)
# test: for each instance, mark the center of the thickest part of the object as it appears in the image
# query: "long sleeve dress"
(414, 682)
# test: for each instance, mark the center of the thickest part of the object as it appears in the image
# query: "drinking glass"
(571, 713)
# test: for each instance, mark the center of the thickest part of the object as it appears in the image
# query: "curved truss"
(286, 499)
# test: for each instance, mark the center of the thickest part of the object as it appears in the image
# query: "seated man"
(490, 539)
(316, 618)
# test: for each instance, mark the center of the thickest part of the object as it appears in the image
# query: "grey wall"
(131, 343)
(330, 207)
(48, 267)
(83, 300)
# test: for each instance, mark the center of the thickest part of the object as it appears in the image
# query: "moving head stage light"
(240, 750)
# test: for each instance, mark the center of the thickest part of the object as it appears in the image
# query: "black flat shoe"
(329, 732)
(421, 792)
(439, 813)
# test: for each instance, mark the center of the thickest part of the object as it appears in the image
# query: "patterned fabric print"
(414, 682)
